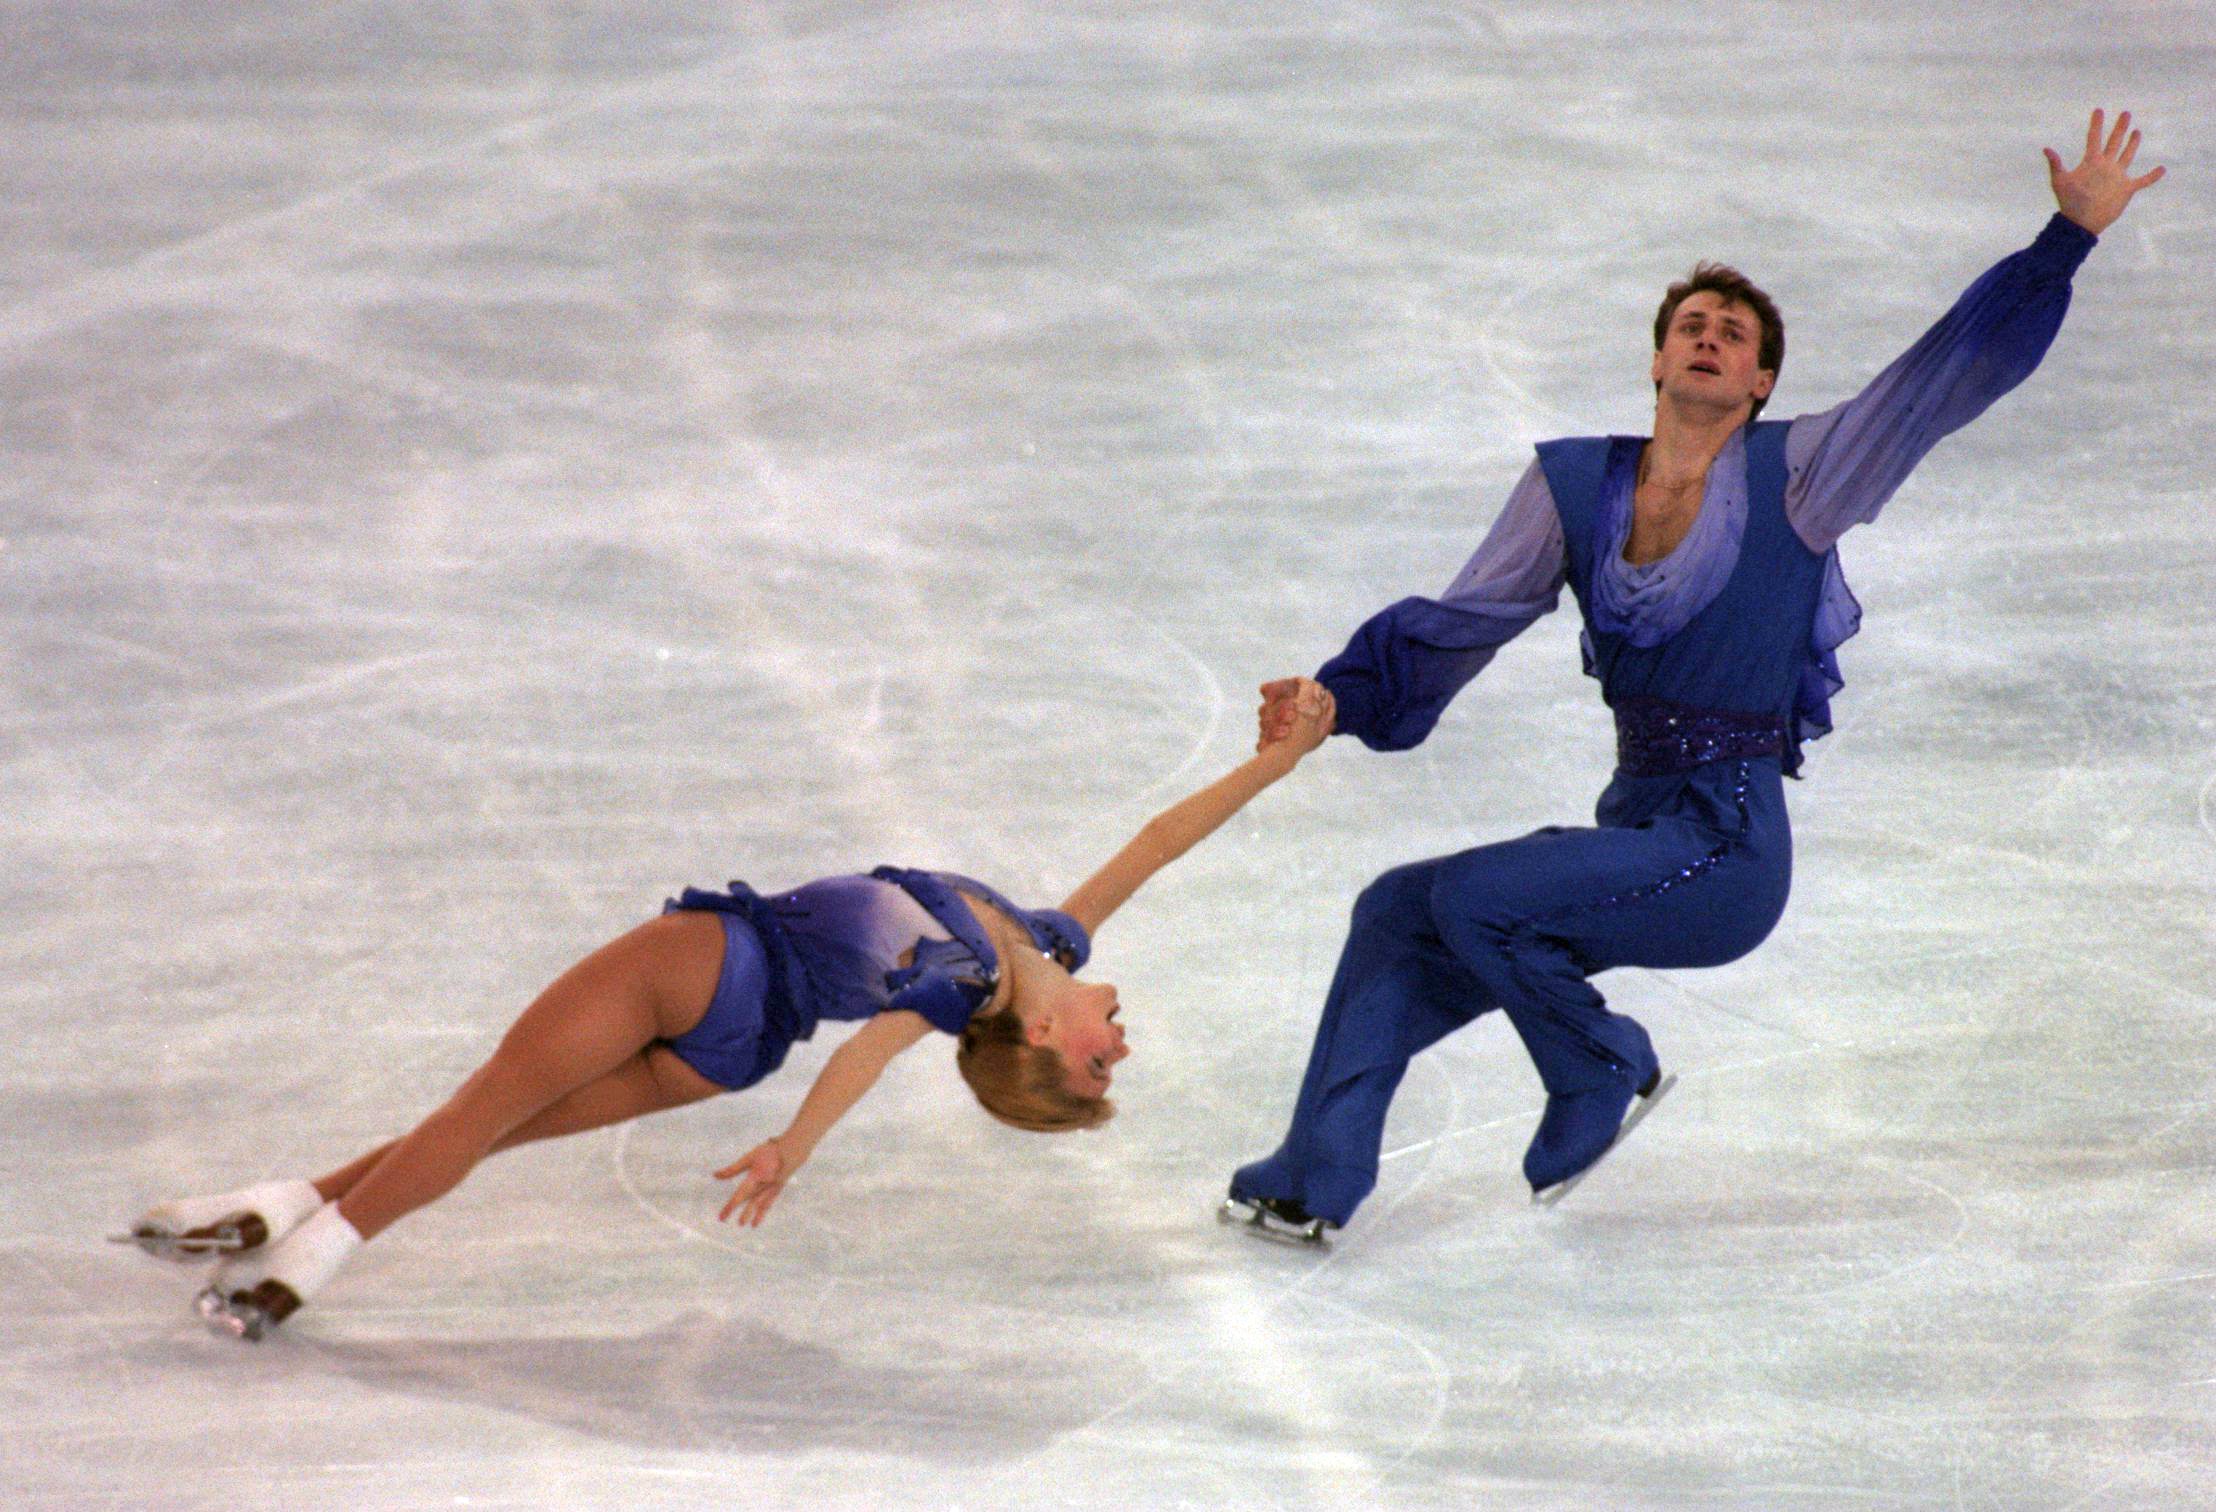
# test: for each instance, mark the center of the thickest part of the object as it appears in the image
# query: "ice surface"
(473, 469)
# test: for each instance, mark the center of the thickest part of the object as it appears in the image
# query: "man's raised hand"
(2095, 192)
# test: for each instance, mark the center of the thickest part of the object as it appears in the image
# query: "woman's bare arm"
(852, 1070)
(1183, 825)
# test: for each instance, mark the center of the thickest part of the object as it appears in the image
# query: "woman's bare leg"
(653, 1081)
(597, 1019)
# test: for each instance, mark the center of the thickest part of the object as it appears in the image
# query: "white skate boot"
(246, 1314)
(192, 1229)
(253, 1293)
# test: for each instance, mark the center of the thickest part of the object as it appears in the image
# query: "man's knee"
(1399, 900)
(1476, 909)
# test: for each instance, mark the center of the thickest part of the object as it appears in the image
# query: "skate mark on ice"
(2154, 1284)
(906, 1270)
(1671, 983)
(123, 287)
(1296, 1387)
(1531, 1113)
(1214, 716)
(1961, 1227)
(1533, 415)
(620, 1150)
(2100, 1489)
(2186, 1113)
(735, 1243)
(104, 1328)
(1445, 1135)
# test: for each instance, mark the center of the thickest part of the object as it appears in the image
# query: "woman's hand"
(1297, 715)
(762, 1172)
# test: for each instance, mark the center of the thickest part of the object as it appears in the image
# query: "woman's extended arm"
(852, 1070)
(1183, 825)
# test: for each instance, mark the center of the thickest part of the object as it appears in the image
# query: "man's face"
(1709, 355)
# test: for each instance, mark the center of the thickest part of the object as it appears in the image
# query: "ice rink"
(468, 470)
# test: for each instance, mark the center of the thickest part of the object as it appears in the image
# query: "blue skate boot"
(1578, 1129)
(1255, 1205)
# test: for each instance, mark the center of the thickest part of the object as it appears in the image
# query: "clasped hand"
(1298, 711)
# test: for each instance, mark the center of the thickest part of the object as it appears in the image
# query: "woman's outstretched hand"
(1297, 713)
(2096, 191)
(762, 1174)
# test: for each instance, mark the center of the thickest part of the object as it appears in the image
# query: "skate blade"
(230, 1320)
(1641, 1107)
(1263, 1224)
(212, 1243)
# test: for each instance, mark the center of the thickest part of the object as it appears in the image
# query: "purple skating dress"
(832, 950)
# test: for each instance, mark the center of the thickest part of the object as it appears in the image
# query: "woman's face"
(1077, 1020)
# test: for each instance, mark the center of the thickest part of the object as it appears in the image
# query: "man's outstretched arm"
(2095, 193)
(1408, 661)
(1846, 462)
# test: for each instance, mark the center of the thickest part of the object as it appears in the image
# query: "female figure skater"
(708, 998)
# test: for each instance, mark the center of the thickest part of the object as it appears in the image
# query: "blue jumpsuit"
(1690, 859)
(832, 950)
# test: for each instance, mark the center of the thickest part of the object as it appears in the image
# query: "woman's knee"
(520, 1079)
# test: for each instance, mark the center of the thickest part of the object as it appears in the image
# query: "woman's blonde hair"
(1020, 1083)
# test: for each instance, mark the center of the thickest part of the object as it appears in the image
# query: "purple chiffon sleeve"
(1407, 662)
(1844, 463)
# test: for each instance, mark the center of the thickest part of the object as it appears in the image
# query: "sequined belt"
(1655, 737)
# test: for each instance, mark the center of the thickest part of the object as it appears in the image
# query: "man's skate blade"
(1640, 1109)
(1261, 1224)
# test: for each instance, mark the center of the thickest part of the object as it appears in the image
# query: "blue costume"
(833, 949)
(1718, 663)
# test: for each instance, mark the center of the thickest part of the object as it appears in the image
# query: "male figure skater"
(1703, 562)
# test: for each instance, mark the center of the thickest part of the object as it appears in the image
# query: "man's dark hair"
(1736, 288)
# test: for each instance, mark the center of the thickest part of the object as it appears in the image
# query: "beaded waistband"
(1655, 738)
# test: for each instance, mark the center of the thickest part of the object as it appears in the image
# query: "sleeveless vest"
(1748, 654)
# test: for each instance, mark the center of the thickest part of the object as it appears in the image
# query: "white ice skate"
(1641, 1105)
(253, 1293)
(1277, 1220)
(246, 1314)
(192, 1229)
(209, 1241)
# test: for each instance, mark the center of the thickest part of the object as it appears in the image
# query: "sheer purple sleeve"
(1844, 463)
(1407, 662)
